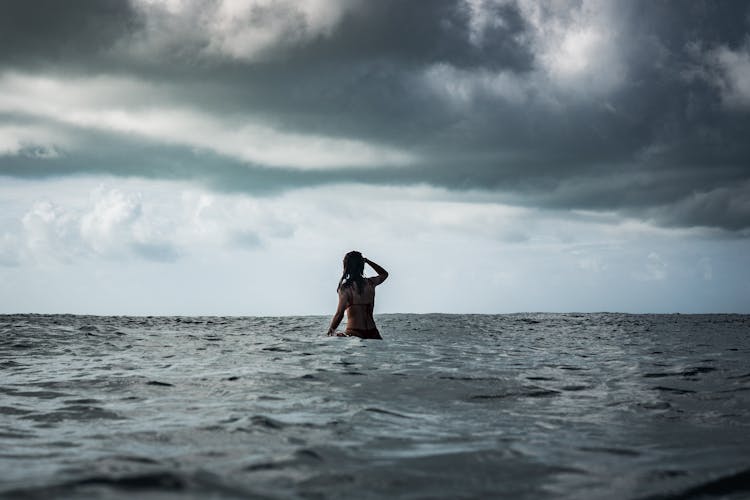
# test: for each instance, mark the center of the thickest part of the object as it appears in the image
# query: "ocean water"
(448, 406)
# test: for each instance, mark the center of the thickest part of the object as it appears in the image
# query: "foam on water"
(448, 406)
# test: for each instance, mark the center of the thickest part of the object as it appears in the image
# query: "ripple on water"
(448, 406)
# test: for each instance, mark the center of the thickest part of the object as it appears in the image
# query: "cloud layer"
(638, 108)
(109, 245)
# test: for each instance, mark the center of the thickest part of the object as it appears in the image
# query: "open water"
(449, 406)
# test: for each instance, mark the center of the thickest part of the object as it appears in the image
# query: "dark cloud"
(729, 204)
(412, 33)
(658, 143)
(46, 32)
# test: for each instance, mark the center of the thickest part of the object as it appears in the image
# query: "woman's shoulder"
(375, 280)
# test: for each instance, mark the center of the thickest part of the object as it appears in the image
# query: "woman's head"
(354, 264)
(354, 267)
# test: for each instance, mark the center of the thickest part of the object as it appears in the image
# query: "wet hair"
(354, 267)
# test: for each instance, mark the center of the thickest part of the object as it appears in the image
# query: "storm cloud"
(638, 108)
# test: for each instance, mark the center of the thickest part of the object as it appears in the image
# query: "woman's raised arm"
(382, 273)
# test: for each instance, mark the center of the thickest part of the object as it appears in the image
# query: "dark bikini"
(364, 333)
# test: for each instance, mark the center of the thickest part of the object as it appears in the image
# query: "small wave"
(33, 394)
(534, 393)
(658, 405)
(85, 401)
(10, 410)
(691, 372)
(673, 390)
(622, 452)
(73, 412)
(135, 459)
(386, 412)
(731, 484)
(276, 349)
(738, 389)
(471, 379)
(17, 435)
(668, 473)
(267, 422)
(21, 345)
(30, 456)
(688, 372)
(302, 457)
(659, 375)
(344, 363)
(574, 387)
(163, 481)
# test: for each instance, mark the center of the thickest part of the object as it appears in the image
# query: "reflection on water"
(470, 406)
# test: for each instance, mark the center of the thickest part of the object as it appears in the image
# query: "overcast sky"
(194, 157)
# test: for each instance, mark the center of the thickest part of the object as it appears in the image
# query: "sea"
(521, 406)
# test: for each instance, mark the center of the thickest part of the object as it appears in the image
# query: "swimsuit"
(364, 333)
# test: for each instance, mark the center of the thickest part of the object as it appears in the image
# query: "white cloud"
(461, 86)
(579, 46)
(578, 52)
(734, 75)
(233, 221)
(575, 54)
(591, 263)
(250, 30)
(137, 220)
(116, 225)
(655, 268)
(50, 233)
(34, 141)
(481, 19)
(123, 219)
(108, 224)
(163, 247)
(127, 106)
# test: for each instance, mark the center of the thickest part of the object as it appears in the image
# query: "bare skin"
(358, 305)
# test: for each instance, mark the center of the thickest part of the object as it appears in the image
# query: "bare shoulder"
(376, 280)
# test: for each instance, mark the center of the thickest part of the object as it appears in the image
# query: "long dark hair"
(354, 267)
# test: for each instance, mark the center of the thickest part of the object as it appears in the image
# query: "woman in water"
(357, 298)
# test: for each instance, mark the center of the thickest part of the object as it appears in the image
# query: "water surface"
(448, 406)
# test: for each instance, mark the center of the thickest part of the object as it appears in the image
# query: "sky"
(191, 157)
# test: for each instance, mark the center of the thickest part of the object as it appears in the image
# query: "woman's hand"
(378, 269)
(336, 334)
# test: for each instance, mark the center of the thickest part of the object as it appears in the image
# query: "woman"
(357, 298)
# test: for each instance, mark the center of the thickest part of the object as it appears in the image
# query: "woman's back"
(357, 298)
(360, 305)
